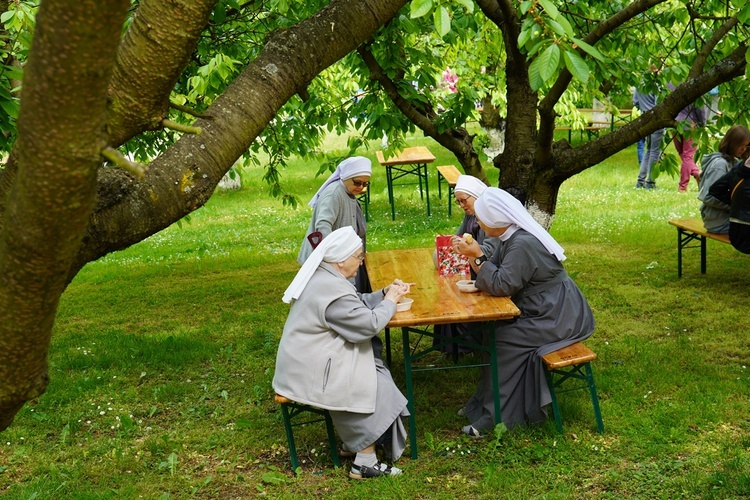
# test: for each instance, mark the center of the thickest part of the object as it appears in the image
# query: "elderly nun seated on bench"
(329, 353)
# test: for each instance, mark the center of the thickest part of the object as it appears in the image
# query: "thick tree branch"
(185, 176)
(573, 161)
(152, 55)
(458, 141)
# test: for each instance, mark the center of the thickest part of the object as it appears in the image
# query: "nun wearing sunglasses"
(335, 206)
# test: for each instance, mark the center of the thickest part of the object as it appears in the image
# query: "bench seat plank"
(689, 230)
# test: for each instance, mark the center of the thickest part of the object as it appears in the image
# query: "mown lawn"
(163, 355)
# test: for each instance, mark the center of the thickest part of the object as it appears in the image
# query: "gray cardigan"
(714, 212)
(325, 355)
(335, 209)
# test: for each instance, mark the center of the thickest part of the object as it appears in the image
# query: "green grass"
(163, 355)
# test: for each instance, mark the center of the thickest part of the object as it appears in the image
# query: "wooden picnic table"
(410, 161)
(437, 300)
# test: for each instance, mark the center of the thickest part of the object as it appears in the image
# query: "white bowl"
(467, 286)
(404, 304)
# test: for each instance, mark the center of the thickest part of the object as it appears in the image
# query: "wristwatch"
(480, 260)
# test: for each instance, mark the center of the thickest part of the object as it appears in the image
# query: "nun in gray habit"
(329, 353)
(527, 267)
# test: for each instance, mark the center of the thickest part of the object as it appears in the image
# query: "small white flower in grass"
(88, 422)
(606, 343)
(102, 412)
(8, 443)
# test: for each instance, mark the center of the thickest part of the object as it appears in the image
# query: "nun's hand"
(469, 249)
(395, 291)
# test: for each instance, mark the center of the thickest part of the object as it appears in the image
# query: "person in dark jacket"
(734, 190)
(734, 145)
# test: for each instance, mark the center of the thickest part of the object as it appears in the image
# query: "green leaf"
(535, 78)
(524, 37)
(13, 72)
(550, 9)
(525, 6)
(566, 26)
(420, 8)
(220, 13)
(467, 4)
(7, 15)
(10, 107)
(589, 49)
(576, 65)
(557, 27)
(549, 60)
(442, 21)
(744, 14)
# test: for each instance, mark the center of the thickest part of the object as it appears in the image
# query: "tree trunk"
(60, 136)
(63, 210)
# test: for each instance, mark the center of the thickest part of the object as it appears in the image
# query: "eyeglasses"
(463, 201)
(360, 257)
(361, 184)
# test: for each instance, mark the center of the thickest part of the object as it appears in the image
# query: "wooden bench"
(571, 362)
(450, 174)
(689, 230)
(291, 409)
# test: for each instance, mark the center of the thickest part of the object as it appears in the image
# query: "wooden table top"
(417, 154)
(437, 300)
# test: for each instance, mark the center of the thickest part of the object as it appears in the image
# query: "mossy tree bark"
(84, 89)
(61, 133)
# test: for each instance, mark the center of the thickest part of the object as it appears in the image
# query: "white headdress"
(470, 185)
(336, 247)
(497, 208)
(351, 167)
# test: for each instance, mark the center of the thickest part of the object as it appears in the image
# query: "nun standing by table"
(527, 267)
(335, 205)
(330, 354)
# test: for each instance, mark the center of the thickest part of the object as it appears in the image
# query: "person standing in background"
(645, 102)
(693, 116)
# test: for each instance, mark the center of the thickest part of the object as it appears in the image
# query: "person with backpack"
(734, 145)
(734, 189)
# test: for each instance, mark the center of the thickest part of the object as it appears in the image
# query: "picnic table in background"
(437, 300)
(410, 161)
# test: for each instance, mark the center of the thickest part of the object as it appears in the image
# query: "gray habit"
(360, 430)
(554, 314)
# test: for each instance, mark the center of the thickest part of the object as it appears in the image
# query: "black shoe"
(377, 470)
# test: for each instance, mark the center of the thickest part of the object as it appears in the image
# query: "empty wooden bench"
(291, 409)
(450, 174)
(689, 230)
(571, 362)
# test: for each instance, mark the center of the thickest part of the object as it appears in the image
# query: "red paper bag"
(449, 262)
